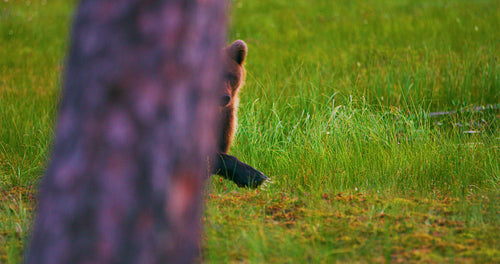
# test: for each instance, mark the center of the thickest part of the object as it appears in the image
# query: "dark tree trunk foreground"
(135, 129)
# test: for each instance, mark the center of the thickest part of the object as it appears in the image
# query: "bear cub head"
(234, 72)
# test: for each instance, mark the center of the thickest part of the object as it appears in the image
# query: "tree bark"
(136, 127)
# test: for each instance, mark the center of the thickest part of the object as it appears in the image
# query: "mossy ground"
(351, 227)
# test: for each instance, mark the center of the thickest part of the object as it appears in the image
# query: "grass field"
(335, 110)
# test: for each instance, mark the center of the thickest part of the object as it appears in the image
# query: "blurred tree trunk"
(136, 126)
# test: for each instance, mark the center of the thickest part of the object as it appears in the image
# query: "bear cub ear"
(238, 51)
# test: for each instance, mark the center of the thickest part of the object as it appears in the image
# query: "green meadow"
(377, 122)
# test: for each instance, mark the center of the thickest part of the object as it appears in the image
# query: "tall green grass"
(334, 110)
(32, 43)
(317, 146)
(33, 40)
(437, 53)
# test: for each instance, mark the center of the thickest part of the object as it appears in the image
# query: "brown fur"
(234, 58)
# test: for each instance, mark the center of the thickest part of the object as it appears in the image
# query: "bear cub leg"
(242, 174)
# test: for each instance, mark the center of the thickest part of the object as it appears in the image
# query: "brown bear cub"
(228, 166)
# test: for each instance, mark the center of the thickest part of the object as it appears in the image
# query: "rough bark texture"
(135, 129)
